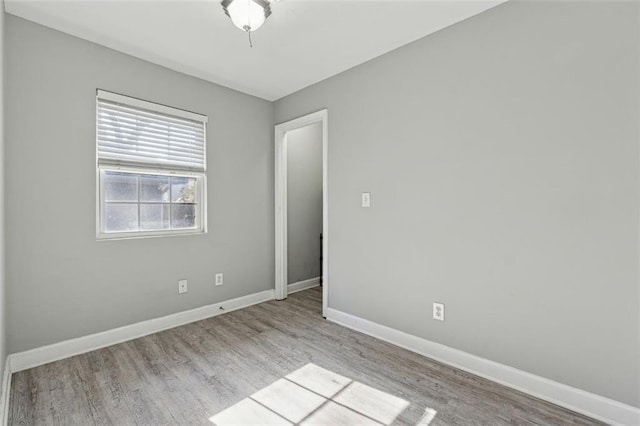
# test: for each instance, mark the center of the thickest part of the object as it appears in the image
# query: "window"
(151, 165)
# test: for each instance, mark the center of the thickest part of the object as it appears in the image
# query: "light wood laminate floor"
(277, 362)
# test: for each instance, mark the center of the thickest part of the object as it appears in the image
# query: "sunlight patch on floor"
(373, 403)
(313, 395)
(291, 401)
(248, 412)
(429, 415)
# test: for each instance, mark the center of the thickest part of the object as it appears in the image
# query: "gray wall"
(304, 202)
(3, 311)
(62, 283)
(502, 158)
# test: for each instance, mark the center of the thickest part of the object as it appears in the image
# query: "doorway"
(283, 132)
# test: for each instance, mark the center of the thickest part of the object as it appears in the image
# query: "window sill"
(151, 234)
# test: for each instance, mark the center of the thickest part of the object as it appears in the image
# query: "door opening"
(300, 132)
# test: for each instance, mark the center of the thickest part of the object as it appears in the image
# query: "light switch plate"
(366, 199)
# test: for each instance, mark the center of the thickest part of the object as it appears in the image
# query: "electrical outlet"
(182, 286)
(219, 279)
(438, 311)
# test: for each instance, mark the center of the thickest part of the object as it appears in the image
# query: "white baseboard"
(4, 392)
(589, 404)
(68, 348)
(303, 285)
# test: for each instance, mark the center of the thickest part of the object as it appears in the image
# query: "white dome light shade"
(248, 15)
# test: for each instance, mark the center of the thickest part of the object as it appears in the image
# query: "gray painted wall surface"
(304, 202)
(3, 305)
(62, 283)
(502, 158)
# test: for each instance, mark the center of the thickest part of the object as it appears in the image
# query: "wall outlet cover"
(219, 279)
(182, 286)
(438, 311)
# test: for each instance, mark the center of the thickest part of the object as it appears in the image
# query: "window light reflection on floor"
(313, 395)
(429, 415)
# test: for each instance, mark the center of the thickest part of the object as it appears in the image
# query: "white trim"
(68, 348)
(5, 392)
(281, 214)
(151, 106)
(589, 404)
(303, 285)
(325, 213)
(281, 130)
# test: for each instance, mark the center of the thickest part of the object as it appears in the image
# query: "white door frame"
(321, 116)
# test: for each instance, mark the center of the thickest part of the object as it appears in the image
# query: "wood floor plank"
(189, 374)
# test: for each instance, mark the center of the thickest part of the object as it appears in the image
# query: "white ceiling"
(301, 43)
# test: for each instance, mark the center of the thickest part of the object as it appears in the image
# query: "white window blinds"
(138, 133)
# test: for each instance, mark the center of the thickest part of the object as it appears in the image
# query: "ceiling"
(301, 43)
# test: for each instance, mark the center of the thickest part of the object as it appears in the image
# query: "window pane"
(120, 186)
(183, 190)
(154, 217)
(154, 188)
(121, 217)
(183, 216)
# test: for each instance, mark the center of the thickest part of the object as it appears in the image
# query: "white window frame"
(101, 169)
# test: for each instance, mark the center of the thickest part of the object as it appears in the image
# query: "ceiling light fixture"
(248, 15)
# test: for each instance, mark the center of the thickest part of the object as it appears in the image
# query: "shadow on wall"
(313, 395)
